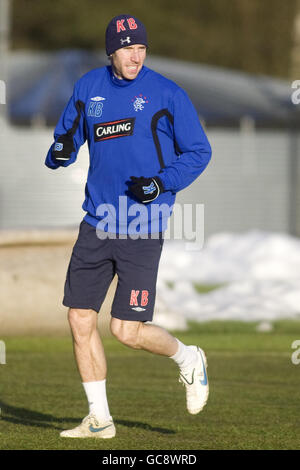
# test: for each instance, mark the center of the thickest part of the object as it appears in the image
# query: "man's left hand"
(146, 189)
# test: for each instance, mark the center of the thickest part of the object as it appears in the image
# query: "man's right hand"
(62, 149)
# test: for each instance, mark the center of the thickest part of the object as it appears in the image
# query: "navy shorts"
(95, 261)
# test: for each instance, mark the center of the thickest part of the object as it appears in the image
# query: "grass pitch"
(253, 403)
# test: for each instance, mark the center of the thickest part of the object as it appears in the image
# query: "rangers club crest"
(139, 102)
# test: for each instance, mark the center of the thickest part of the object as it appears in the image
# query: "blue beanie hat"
(123, 31)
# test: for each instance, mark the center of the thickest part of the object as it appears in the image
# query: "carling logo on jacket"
(113, 129)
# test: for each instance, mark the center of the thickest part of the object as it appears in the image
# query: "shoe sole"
(108, 435)
(88, 437)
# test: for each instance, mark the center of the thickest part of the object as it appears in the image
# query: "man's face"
(128, 61)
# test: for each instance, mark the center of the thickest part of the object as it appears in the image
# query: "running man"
(145, 143)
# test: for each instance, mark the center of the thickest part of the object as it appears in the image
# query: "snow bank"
(260, 272)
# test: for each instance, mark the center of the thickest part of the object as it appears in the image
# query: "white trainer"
(196, 383)
(92, 427)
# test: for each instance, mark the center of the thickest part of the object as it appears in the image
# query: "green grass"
(200, 288)
(206, 288)
(253, 403)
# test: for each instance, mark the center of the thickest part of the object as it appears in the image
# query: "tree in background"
(250, 35)
(295, 49)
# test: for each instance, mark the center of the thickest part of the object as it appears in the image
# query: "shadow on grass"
(136, 424)
(25, 417)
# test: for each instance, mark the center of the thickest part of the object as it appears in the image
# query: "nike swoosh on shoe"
(203, 381)
(92, 429)
(186, 380)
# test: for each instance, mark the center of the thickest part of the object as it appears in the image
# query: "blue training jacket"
(142, 127)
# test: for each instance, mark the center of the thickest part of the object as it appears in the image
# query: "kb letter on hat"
(131, 23)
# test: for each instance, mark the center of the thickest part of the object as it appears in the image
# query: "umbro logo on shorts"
(113, 129)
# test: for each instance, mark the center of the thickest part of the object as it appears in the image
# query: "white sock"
(96, 395)
(185, 357)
